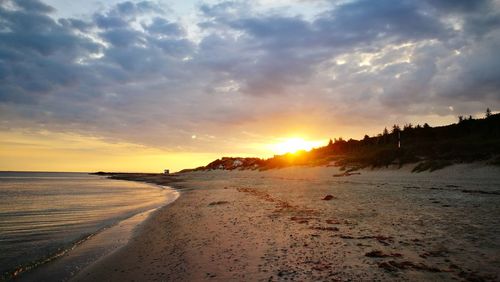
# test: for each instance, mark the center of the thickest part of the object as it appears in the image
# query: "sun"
(292, 145)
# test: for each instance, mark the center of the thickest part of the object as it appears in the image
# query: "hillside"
(432, 148)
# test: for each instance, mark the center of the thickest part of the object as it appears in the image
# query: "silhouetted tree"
(472, 140)
(460, 119)
(488, 112)
(396, 128)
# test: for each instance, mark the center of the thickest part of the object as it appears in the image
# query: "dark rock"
(329, 197)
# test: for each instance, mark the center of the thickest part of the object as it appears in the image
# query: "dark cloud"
(109, 21)
(76, 24)
(131, 8)
(459, 5)
(36, 53)
(224, 11)
(34, 5)
(164, 27)
(122, 37)
(175, 47)
(135, 68)
(124, 13)
(366, 21)
(281, 32)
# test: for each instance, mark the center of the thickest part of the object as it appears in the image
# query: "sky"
(148, 85)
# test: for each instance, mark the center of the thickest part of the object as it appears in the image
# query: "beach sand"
(303, 224)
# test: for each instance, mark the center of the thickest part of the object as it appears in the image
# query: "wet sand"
(304, 224)
(92, 248)
(84, 254)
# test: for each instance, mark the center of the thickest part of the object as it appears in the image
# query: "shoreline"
(279, 225)
(95, 246)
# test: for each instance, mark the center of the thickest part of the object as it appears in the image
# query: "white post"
(399, 139)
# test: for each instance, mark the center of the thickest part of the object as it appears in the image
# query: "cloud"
(36, 52)
(164, 27)
(448, 6)
(34, 5)
(138, 73)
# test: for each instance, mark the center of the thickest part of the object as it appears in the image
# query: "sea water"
(42, 215)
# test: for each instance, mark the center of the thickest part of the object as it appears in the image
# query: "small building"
(166, 171)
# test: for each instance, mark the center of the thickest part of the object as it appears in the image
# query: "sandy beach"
(295, 140)
(303, 224)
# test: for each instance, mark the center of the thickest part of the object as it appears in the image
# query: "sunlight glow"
(292, 145)
(53, 151)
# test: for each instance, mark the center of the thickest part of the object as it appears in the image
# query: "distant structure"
(166, 171)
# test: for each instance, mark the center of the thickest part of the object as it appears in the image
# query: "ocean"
(43, 215)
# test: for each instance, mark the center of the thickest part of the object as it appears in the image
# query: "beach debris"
(332, 221)
(325, 228)
(475, 276)
(481, 192)
(218, 203)
(329, 197)
(452, 188)
(321, 266)
(384, 240)
(411, 187)
(302, 219)
(211, 275)
(282, 273)
(435, 254)
(346, 174)
(381, 254)
(280, 205)
(395, 266)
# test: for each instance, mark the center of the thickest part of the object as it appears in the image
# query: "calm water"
(44, 214)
